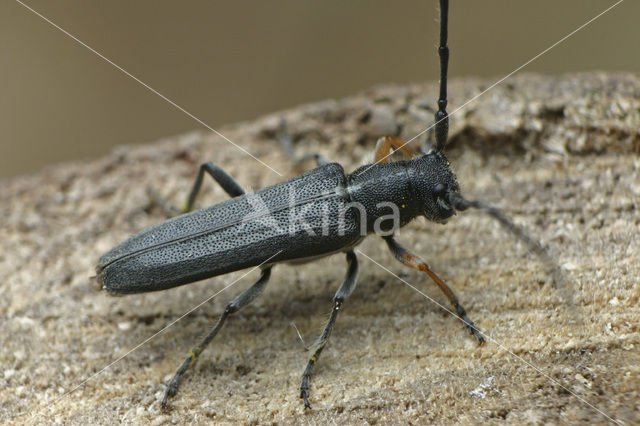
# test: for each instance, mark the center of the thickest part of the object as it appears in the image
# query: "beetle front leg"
(415, 262)
(384, 145)
(244, 299)
(224, 179)
(341, 295)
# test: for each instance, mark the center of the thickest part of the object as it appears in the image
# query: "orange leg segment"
(415, 262)
(383, 148)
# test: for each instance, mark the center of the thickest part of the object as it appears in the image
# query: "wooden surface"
(560, 154)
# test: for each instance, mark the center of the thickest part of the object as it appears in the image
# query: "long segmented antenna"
(441, 134)
(460, 203)
(441, 116)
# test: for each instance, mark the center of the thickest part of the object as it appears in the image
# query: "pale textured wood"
(558, 153)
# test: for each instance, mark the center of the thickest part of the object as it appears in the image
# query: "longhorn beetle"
(318, 213)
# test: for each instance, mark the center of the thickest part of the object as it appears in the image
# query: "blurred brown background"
(231, 61)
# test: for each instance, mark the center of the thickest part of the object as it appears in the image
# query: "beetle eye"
(439, 190)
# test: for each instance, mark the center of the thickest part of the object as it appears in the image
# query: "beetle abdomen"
(304, 215)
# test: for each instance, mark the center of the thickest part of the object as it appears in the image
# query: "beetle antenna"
(441, 116)
(460, 203)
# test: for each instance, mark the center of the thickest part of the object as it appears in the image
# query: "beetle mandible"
(330, 212)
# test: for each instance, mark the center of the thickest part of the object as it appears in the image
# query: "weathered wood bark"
(560, 154)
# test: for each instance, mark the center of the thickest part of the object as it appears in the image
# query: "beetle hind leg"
(414, 261)
(239, 302)
(341, 295)
(224, 179)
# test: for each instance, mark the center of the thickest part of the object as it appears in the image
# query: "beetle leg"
(223, 178)
(287, 143)
(341, 295)
(383, 148)
(239, 302)
(415, 262)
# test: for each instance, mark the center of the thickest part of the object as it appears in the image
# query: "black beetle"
(318, 213)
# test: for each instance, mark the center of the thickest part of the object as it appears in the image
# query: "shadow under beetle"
(234, 234)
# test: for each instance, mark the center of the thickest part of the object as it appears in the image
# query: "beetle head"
(435, 184)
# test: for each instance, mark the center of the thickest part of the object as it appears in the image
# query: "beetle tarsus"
(304, 388)
(172, 389)
(469, 324)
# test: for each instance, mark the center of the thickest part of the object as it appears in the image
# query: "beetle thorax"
(384, 194)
